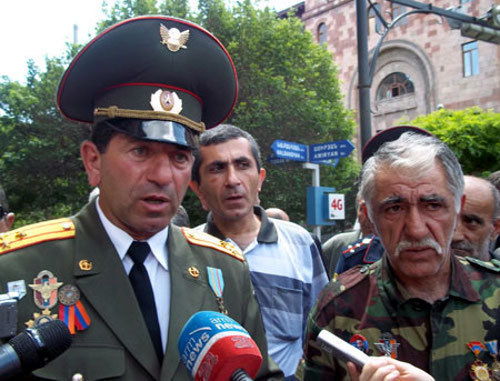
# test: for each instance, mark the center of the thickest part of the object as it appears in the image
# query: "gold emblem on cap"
(173, 38)
(85, 265)
(194, 272)
(164, 100)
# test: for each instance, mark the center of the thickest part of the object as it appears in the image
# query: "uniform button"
(77, 377)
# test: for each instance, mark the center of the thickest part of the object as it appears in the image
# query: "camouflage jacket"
(363, 306)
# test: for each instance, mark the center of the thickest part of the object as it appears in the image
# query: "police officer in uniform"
(123, 278)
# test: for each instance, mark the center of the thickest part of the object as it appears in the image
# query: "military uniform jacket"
(116, 344)
(363, 306)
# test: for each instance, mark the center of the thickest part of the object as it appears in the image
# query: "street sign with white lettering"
(273, 159)
(330, 150)
(289, 150)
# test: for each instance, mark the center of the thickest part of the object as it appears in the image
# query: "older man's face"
(415, 218)
(476, 226)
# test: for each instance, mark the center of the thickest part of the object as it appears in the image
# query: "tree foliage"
(41, 170)
(288, 89)
(473, 135)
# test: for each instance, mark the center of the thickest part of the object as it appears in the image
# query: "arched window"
(322, 33)
(395, 85)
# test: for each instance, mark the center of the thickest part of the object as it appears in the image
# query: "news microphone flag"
(213, 346)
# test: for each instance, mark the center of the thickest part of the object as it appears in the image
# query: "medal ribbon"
(216, 281)
(492, 347)
(74, 315)
(476, 347)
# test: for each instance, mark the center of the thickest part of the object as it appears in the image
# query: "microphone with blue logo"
(213, 346)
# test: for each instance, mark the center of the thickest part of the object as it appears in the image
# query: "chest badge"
(45, 287)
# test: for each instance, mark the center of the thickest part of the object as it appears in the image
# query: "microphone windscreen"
(213, 346)
(35, 347)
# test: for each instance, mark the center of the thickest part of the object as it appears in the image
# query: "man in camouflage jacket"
(419, 303)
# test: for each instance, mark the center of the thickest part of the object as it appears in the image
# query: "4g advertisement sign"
(336, 207)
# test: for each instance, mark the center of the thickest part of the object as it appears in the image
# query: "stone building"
(423, 63)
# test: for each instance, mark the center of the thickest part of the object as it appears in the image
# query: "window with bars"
(395, 85)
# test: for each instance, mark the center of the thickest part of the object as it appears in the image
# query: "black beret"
(388, 135)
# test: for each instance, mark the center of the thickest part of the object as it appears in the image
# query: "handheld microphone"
(33, 348)
(341, 349)
(213, 347)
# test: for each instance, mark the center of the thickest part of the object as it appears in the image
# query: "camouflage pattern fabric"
(366, 301)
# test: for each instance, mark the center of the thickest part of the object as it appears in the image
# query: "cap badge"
(173, 38)
(164, 100)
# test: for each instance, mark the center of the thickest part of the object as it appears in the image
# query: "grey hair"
(416, 154)
(496, 201)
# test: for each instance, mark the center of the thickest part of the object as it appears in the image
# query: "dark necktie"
(138, 251)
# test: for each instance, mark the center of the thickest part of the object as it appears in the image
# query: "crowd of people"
(415, 287)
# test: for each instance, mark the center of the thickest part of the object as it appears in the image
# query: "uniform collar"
(460, 284)
(122, 240)
(267, 231)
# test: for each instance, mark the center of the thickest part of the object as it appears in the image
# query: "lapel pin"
(194, 272)
(85, 265)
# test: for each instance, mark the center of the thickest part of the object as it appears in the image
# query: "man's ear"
(9, 220)
(91, 158)
(496, 229)
(195, 187)
(262, 177)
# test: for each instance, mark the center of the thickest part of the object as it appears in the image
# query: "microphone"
(33, 348)
(214, 347)
(341, 349)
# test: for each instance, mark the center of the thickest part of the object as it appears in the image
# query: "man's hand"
(387, 369)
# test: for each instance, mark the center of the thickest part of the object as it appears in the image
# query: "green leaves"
(473, 135)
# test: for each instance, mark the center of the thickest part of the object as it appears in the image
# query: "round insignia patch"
(69, 295)
(359, 342)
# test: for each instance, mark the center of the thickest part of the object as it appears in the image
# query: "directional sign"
(276, 160)
(330, 150)
(289, 150)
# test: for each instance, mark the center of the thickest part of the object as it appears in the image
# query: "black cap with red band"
(163, 74)
(388, 135)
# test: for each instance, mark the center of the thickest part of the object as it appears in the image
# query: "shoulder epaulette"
(29, 235)
(351, 277)
(354, 247)
(200, 238)
(492, 265)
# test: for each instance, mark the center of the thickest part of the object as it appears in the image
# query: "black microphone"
(33, 348)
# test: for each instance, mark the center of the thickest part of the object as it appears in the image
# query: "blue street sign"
(289, 150)
(330, 150)
(276, 160)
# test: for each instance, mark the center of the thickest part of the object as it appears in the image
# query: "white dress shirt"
(156, 264)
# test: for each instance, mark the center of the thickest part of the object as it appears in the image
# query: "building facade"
(423, 64)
